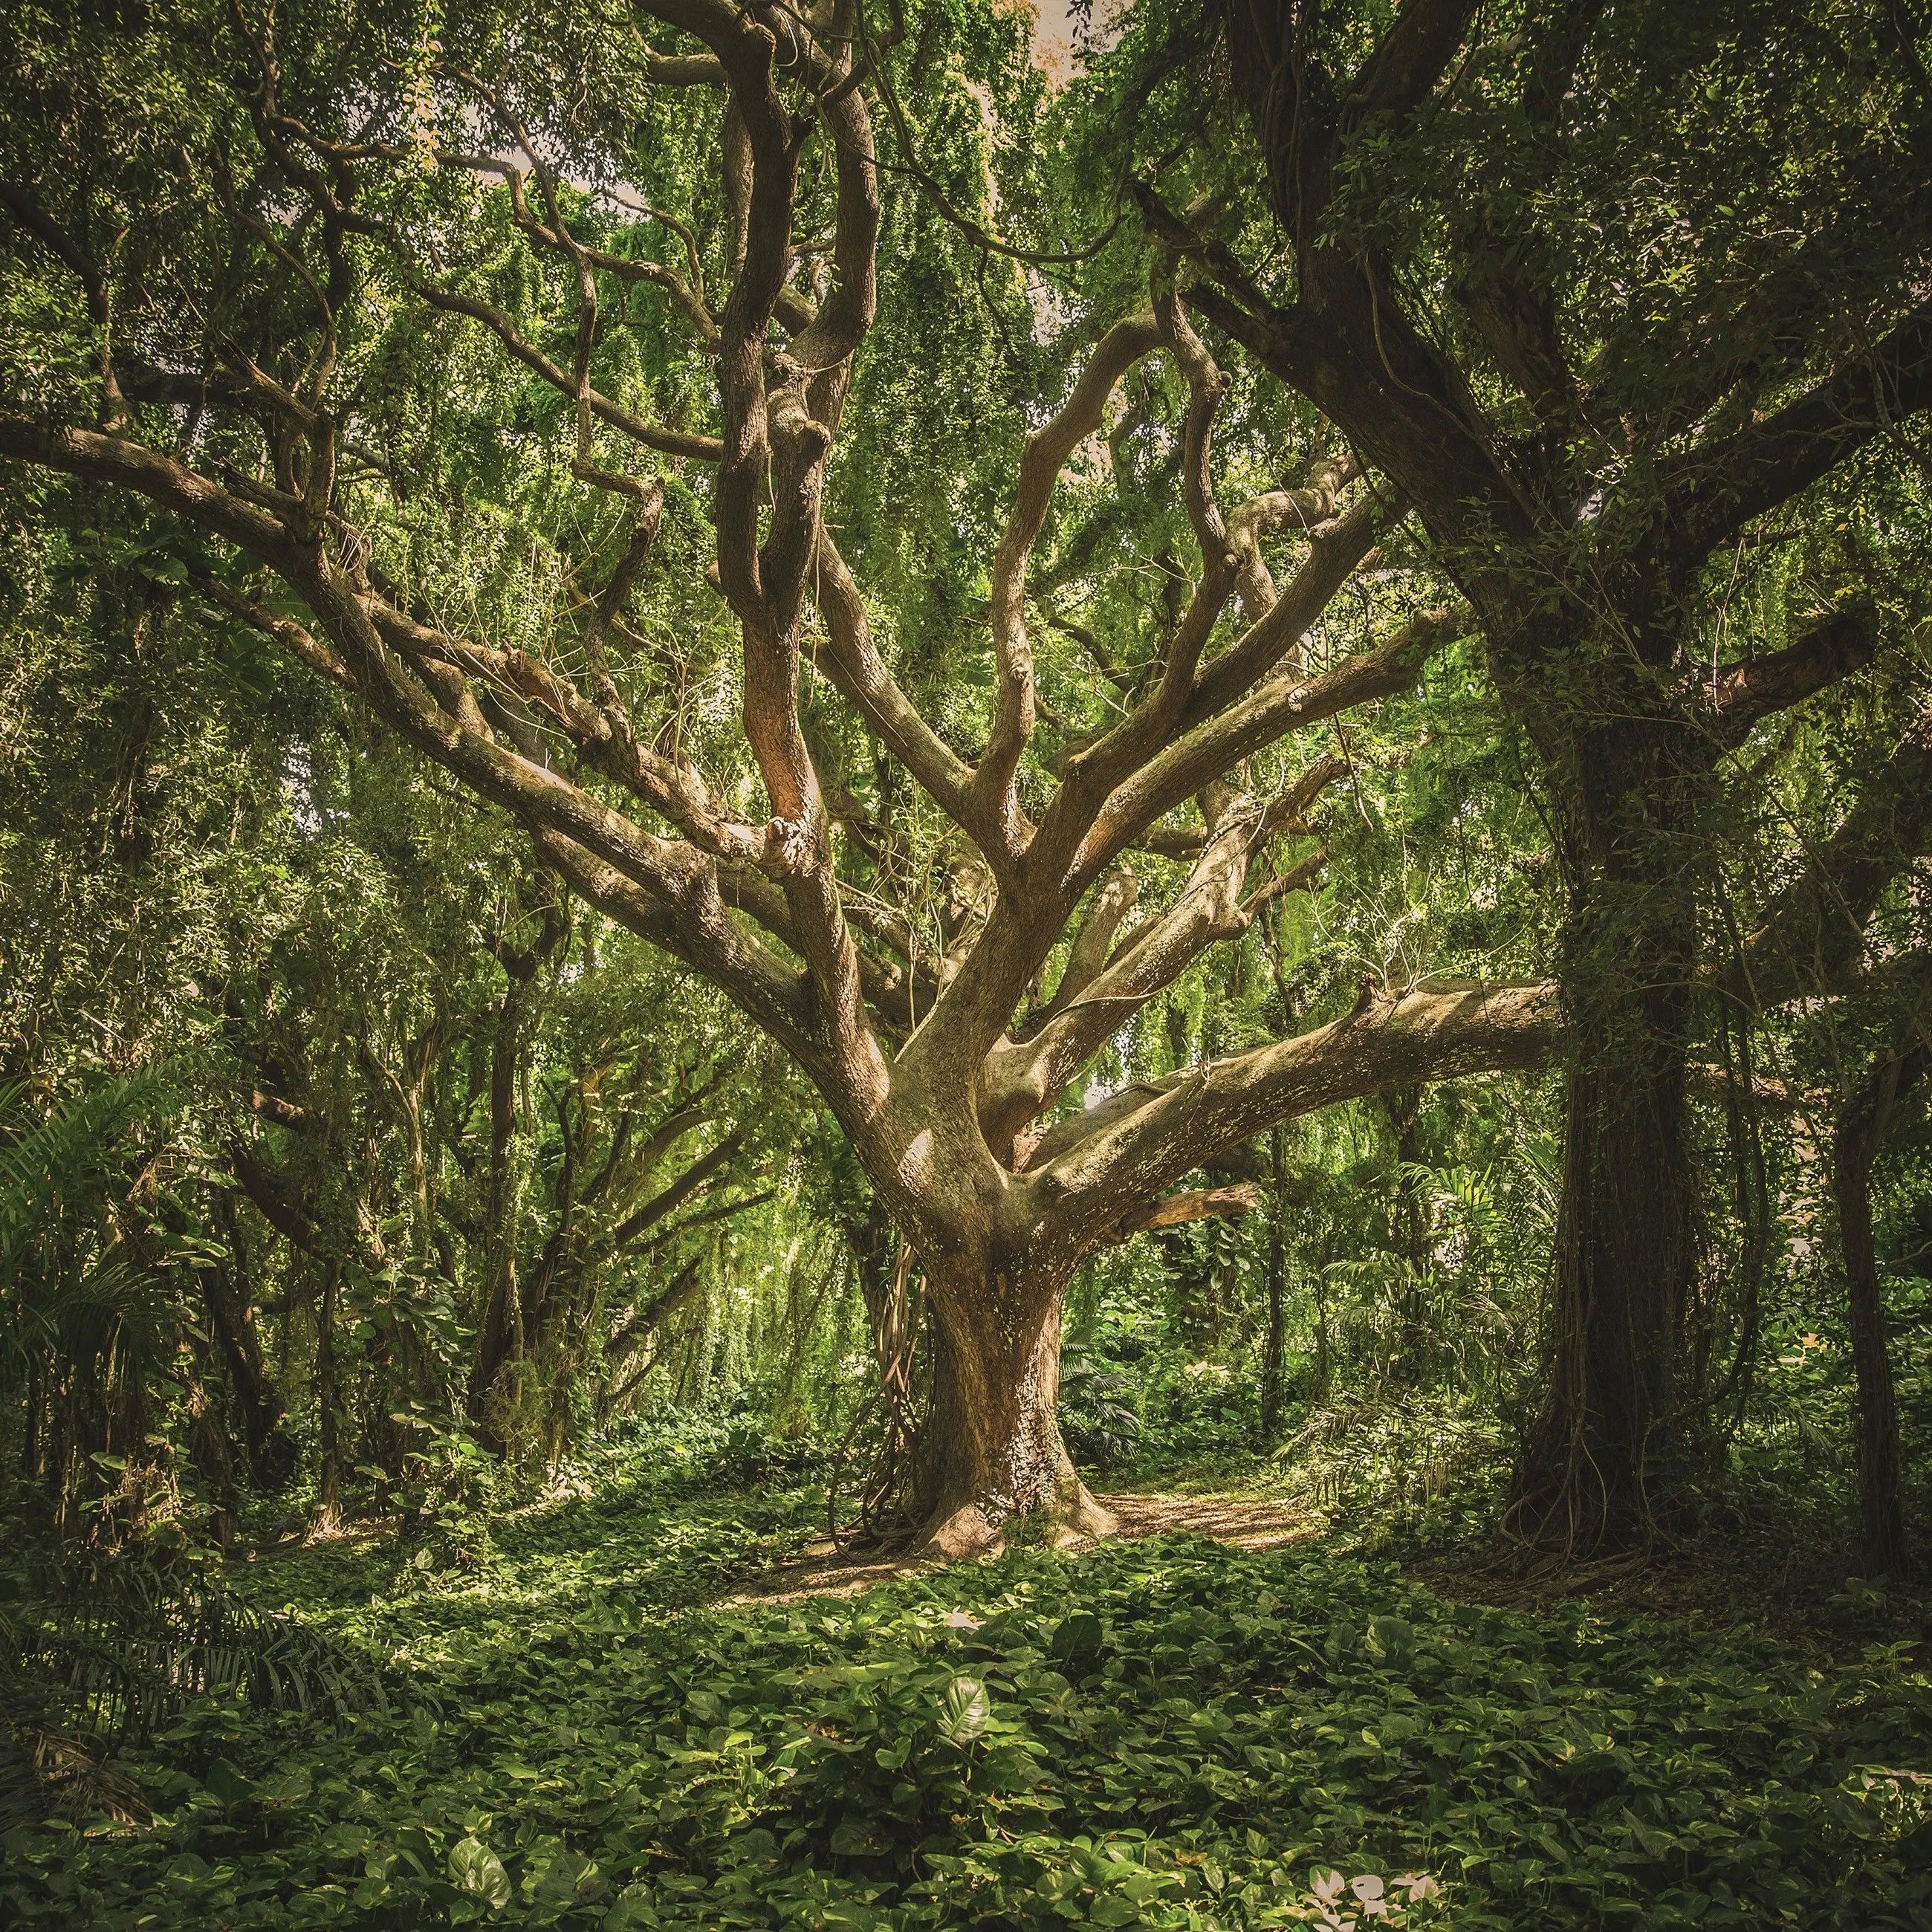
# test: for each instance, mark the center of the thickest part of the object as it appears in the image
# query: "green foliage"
(1170, 1734)
(116, 1647)
(1100, 1416)
(393, 1222)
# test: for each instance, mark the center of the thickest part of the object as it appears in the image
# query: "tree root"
(1071, 1517)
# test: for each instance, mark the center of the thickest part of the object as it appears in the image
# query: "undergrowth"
(576, 1732)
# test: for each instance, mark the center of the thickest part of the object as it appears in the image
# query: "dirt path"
(1247, 1522)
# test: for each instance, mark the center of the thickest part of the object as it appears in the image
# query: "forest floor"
(634, 1706)
(1241, 1520)
(1774, 1582)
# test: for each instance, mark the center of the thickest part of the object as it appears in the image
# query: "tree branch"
(1410, 58)
(1811, 934)
(1174, 1210)
(1735, 697)
(1760, 467)
(1047, 452)
(1140, 1141)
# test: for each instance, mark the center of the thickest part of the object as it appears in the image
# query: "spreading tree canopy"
(926, 552)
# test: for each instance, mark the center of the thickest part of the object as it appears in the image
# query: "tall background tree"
(1628, 305)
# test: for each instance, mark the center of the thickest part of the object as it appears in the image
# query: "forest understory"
(652, 1696)
(966, 964)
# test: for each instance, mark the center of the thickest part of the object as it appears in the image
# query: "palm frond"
(48, 1162)
(115, 1648)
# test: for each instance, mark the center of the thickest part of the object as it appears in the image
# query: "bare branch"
(1142, 1140)
(1812, 933)
(651, 436)
(1047, 452)
(1410, 58)
(1737, 697)
(1174, 1210)
(1023, 1077)
(1269, 712)
(851, 660)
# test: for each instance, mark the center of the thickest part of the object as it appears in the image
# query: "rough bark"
(1617, 1408)
(1856, 1141)
(992, 1449)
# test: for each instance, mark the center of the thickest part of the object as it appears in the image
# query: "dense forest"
(964, 966)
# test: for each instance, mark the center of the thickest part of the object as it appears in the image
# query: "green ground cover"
(581, 1728)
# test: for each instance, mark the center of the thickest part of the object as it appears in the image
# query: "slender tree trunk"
(272, 1455)
(208, 1448)
(500, 1343)
(1274, 1345)
(30, 1425)
(1410, 1230)
(992, 1449)
(1855, 1143)
(327, 1395)
(1324, 1355)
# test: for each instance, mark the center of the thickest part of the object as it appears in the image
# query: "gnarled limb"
(1135, 1144)
(1769, 463)
(1046, 455)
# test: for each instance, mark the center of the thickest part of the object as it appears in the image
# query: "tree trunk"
(208, 1448)
(272, 1455)
(1855, 1143)
(1595, 1473)
(992, 1449)
(491, 1406)
(1274, 1345)
(1408, 1229)
(327, 1395)
(1623, 1267)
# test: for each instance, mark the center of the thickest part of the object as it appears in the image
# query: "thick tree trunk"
(991, 1450)
(1624, 1268)
(1596, 1470)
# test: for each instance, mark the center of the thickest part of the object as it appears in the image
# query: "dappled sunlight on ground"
(1247, 1522)
(821, 1569)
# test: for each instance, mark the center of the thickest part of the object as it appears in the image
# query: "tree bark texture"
(1858, 1136)
(992, 1449)
(1616, 1410)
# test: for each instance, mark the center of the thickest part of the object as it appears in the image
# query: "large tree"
(270, 261)
(1625, 302)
